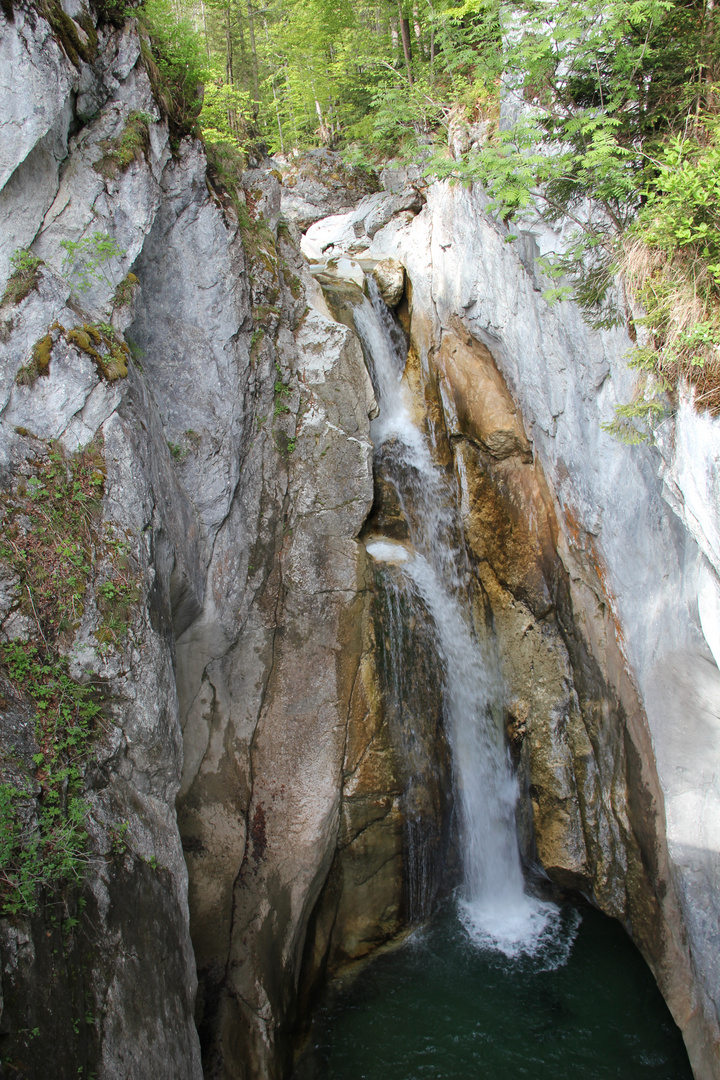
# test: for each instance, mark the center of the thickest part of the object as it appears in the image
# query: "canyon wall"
(599, 561)
(247, 794)
(229, 427)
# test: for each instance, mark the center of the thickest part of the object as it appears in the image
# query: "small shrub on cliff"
(86, 260)
(53, 544)
(43, 841)
(125, 292)
(671, 260)
(49, 541)
(49, 535)
(24, 277)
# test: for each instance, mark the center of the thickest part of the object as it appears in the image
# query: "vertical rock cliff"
(233, 466)
(598, 561)
(185, 476)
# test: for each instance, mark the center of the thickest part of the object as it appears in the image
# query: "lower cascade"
(495, 907)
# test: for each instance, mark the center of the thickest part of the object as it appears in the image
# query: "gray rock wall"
(238, 473)
(237, 476)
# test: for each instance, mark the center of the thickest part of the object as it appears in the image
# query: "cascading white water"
(494, 907)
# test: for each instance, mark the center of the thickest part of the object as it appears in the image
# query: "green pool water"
(438, 1008)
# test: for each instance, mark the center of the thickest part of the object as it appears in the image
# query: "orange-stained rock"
(484, 408)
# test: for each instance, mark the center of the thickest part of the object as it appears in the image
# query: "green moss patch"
(101, 343)
(39, 361)
(76, 46)
(132, 145)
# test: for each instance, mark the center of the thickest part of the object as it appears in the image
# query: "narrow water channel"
(494, 903)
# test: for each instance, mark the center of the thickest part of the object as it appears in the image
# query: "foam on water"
(532, 928)
(388, 551)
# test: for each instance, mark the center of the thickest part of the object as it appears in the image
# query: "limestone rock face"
(601, 594)
(352, 233)
(319, 183)
(238, 474)
(138, 977)
(480, 406)
(257, 814)
(277, 690)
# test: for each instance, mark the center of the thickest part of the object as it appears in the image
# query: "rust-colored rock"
(484, 409)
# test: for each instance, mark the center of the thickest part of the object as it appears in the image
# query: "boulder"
(389, 275)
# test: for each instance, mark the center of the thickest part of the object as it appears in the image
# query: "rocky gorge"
(257, 816)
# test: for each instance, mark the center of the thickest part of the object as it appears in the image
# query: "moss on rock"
(133, 144)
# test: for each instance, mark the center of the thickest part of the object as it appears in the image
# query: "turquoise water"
(437, 1008)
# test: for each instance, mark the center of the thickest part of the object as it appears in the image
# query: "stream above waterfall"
(437, 1007)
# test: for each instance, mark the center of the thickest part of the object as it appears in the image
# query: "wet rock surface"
(597, 588)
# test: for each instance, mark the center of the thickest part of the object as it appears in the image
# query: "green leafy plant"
(24, 277)
(174, 60)
(52, 541)
(671, 260)
(134, 143)
(43, 839)
(177, 452)
(49, 535)
(86, 261)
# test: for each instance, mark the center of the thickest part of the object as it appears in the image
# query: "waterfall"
(414, 713)
(494, 906)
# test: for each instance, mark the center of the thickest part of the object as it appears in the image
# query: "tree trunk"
(418, 31)
(256, 80)
(275, 97)
(293, 121)
(229, 74)
(325, 131)
(405, 32)
(710, 49)
(204, 19)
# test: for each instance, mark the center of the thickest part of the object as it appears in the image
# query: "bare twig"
(32, 604)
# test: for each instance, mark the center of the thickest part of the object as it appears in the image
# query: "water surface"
(438, 1008)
